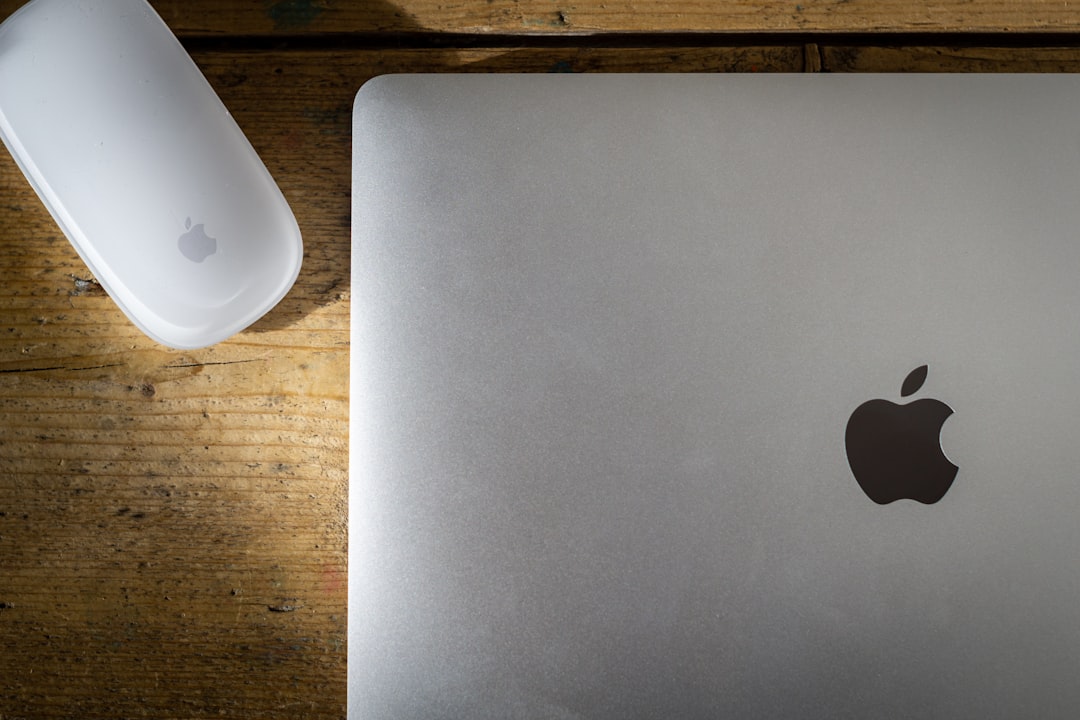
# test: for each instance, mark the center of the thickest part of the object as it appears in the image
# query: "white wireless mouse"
(144, 169)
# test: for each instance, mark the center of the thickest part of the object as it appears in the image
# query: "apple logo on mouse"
(195, 244)
(895, 449)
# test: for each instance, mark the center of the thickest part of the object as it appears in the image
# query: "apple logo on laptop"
(195, 244)
(895, 450)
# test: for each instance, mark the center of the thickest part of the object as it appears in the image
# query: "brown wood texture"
(173, 524)
(514, 17)
(552, 17)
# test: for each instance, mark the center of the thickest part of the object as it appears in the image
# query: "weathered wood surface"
(173, 524)
(516, 17)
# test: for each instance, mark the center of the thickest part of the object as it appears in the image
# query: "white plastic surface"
(131, 150)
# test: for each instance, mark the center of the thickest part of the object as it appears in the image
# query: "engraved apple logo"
(895, 450)
(195, 244)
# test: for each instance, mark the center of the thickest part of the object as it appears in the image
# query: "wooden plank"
(173, 523)
(549, 17)
(553, 18)
(949, 59)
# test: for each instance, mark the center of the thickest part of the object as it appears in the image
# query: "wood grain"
(949, 59)
(193, 18)
(548, 17)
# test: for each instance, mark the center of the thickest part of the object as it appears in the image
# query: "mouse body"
(144, 169)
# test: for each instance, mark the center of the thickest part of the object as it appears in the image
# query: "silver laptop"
(715, 397)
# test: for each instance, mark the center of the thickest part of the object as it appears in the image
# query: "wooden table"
(173, 524)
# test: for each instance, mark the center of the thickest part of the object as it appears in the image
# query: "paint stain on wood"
(85, 286)
(293, 14)
(333, 580)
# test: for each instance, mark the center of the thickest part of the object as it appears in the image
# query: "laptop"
(710, 396)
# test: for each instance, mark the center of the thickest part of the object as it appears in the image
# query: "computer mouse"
(144, 169)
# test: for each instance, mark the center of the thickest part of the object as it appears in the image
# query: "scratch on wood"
(207, 364)
(560, 20)
(59, 367)
(30, 370)
(282, 608)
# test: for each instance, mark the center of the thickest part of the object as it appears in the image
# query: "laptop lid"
(614, 345)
